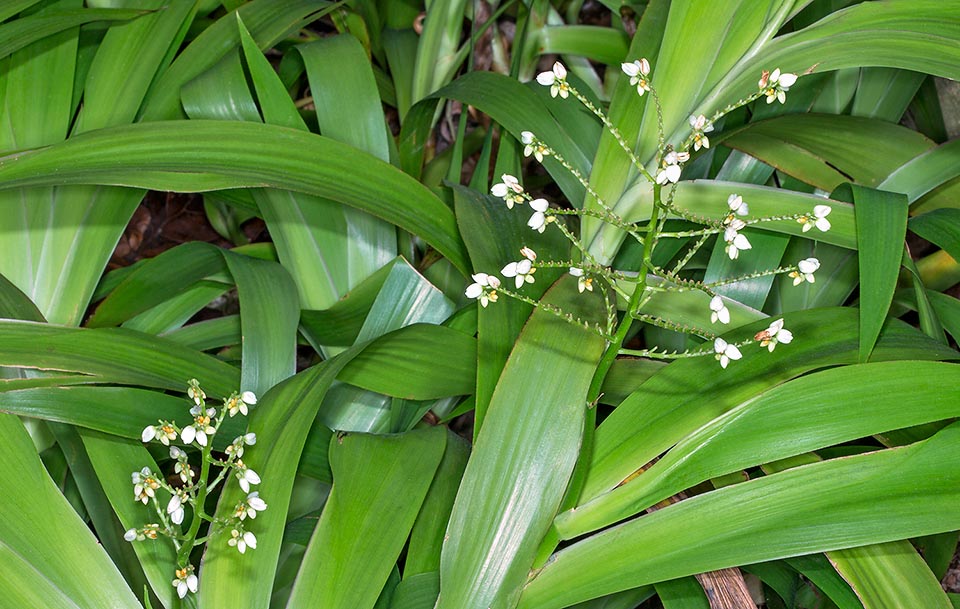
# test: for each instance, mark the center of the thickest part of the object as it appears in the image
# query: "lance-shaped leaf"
(48, 555)
(857, 502)
(510, 492)
(200, 155)
(379, 483)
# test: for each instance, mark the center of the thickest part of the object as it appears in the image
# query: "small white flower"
(638, 71)
(148, 434)
(821, 212)
(249, 438)
(246, 476)
(250, 506)
(522, 270)
(805, 270)
(556, 79)
(175, 508)
(131, 535)
(201, 427)
(539, 220)
(531, 145)
(724, 352)
(719, 311)
(509, 190)
(735, 241)
(773, 335)
(483, 288)
(242, 540)
(583, 282)
(670, 167)
(737, 205)
(700, 128)
(196, 394)
(775, 85)
(144, 485)
(240, 403)
(186, 581)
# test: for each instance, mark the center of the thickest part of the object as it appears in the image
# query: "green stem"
(183, 556)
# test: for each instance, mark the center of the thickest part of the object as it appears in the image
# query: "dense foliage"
(530, 303)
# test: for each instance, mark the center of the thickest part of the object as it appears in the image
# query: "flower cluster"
(192, 487)
(730, 230)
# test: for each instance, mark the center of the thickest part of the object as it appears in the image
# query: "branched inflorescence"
(191, 487)
(486, 287)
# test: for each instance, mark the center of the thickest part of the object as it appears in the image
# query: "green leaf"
(925, 172)
(507, 459)
(670, 405)
(268, 321)
(156, 280)
(494, 236)
(113, 459)
(890, 575)
(21, 32)
(268, 21)
(208, 155)
(602, 44)
(940, 227)
(803, 415)
(881, 230)
(281, 420)
(857, 503)
(826, 150)
(42, 540)
(379, 483)
(340, 324)
(426, 538)
(14, 304)
(124, 355)
(418, 362)
(518, 108)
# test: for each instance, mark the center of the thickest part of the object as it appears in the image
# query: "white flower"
(538, 221)
(201, 427)
(246, 476)
(724, 352)
(484, 288)
(509, 190)
(700, 128)
(670, 167)
(175, 508)
(240, 403)
(250, 506)
(242, 540)
(805, 270)
(556, 80)
(531, 145)
(132, 535)
(638, 71)
(163, 432)
(148, 434)
(522, 270)
(773, 335)
(775, 85)
(818, 218)
(144, 485)
(719, 311)
(737, 205)
(583, 282)
(196, 394)
(735, 241)
(185, 581)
